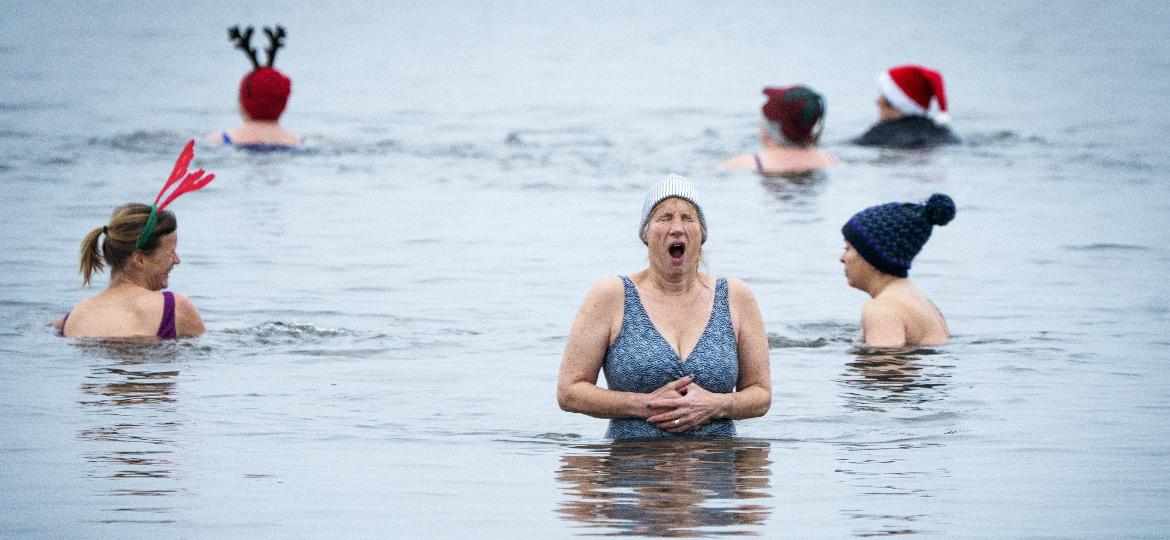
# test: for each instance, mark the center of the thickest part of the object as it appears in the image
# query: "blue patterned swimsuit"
(641, 360)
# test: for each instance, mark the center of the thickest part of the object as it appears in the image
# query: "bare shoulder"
(184, 304)
(881, 310)
(598, 320)
(827, 159)
(214, 138)
(605, 293)
(289, 138)
(187, 318)
(741, 162)
(745, 311)
(739, 292)
(883, 323)
(881, 306)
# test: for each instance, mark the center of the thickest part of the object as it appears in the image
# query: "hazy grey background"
(387, 309)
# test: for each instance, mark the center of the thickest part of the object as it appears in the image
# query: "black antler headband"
(275, 42)
(244, 43)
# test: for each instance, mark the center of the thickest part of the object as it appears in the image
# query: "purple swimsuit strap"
(166, 328)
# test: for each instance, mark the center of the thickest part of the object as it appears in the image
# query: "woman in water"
(880, 243)
(684, 352)
(789, 132)
(264, 93)
(140, 244)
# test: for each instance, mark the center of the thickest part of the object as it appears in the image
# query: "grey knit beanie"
(671, 186)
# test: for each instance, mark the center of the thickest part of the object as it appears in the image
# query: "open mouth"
(677, 250)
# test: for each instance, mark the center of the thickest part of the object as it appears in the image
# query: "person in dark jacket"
(904, 119)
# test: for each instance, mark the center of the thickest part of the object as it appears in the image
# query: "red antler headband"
(190, 182)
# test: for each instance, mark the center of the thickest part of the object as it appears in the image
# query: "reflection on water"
(889, 467)
(679, 488)
(799, 191)
(877, 379)
(130, 398)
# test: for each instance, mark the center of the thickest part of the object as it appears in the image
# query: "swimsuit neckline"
(657, 332)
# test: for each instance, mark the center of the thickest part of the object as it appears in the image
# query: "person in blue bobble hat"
(880, 243)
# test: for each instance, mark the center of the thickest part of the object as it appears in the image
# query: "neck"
(783, 148)
(880, 283)
(771, 143)
(270, 124)
(889, 114)
(680, 282)
(122, 279)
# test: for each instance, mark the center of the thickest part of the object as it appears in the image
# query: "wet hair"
(126, 223)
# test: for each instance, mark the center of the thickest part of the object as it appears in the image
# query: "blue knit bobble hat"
(890, 235)
(671, 186)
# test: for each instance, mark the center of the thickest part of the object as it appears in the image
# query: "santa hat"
(909, 89)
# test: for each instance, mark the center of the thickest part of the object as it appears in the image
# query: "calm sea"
(387, 308)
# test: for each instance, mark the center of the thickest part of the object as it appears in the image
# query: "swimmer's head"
(794, 115)
(672, 186)
(120, 238)
(264, 91)
(889, 236)
(264, 94)
(909, 89)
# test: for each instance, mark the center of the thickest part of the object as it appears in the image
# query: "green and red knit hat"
(890, 235)
(795, 114)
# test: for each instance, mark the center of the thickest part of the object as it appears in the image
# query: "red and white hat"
(909, 89)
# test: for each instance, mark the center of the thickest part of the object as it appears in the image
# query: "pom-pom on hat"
(890, 235)
(797, 111)
(264, 91)
(671, 186)
(910, 88)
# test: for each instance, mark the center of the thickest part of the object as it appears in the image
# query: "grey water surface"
(386, 308)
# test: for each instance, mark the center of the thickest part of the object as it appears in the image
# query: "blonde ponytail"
(91, 255)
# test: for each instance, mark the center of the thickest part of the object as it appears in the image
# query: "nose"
(175, 258)
(841, 258)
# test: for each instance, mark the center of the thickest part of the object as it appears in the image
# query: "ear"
(137, 259)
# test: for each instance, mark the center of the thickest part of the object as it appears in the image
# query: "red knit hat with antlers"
(264, 91)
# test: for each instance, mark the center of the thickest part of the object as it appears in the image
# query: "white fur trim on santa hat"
(894, 94)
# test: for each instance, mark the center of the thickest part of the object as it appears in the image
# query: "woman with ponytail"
(140, 247)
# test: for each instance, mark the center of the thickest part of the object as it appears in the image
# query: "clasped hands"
(681, 405)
